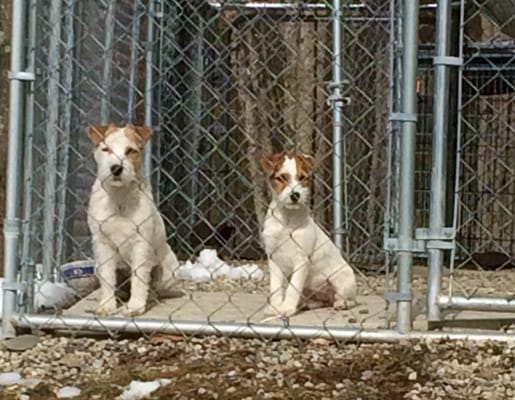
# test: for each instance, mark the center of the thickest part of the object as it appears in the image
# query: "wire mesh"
(221, 85)
(483, 195)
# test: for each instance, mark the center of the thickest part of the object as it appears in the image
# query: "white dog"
(296, 246)
(128, 231)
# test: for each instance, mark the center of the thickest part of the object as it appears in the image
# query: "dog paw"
(285, 310)
(133, 308)
(107, 308)
(271, 310)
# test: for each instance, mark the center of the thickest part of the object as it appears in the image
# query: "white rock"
(138, 390)
(52, 295)
(366, 375)
(10, 378)
(67, 392)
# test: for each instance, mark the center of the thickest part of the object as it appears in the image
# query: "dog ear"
(270, 162)
(143, 133)
(97, 133)
(308, 162)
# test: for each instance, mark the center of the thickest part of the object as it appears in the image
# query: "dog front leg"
(276, 288)
(140, 281)
(295, 288)
(107, 259)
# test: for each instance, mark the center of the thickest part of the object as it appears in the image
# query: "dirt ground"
(223, 368)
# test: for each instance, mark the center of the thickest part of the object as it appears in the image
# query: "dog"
(128, 232)
(296, 247)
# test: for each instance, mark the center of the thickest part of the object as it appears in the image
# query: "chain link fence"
(223, 84)
(483, 188)
(211, 120)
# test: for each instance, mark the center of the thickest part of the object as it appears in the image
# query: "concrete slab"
(370, 313)
(242, 307)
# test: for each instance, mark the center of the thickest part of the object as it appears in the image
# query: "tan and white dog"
(127, 230)
(297, 248)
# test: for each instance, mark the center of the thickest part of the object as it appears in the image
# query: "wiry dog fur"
(127, 230)
(299, 252)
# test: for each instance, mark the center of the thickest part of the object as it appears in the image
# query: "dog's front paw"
(271, 310)
(107, 307)
(285, 310)
(134, 308)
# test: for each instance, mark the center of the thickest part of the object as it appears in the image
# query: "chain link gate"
(479, 276)
(222, 83)
(463, 138)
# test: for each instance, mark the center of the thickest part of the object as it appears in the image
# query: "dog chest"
(121, 224)
(286, 244)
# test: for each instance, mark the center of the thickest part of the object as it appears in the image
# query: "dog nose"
(295, 196)
(116, 169)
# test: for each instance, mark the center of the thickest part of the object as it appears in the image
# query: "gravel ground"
(222, 368)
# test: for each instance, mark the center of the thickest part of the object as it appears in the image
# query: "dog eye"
(106, 150)
(131, 150)
(303, 178)
(283, 178)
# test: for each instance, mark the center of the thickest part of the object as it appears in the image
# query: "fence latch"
(424, 241)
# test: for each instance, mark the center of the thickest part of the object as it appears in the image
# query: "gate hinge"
(423, 241)
(402, 117)
(448, 61)
(14, 286)
(21, 76)
(396, 296)
(335, 99)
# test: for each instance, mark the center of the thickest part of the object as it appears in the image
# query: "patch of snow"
(192, 271)
(138, 390)
(67, 392)
(10, 378)
(208, 266)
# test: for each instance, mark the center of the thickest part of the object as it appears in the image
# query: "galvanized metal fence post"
(149, 82)
(133, 76)
(408, 120)
(12, 222)
(439, 152)
(27, 263)
(51, 135)
(65, 125)
(336, 104)
(105, 107)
